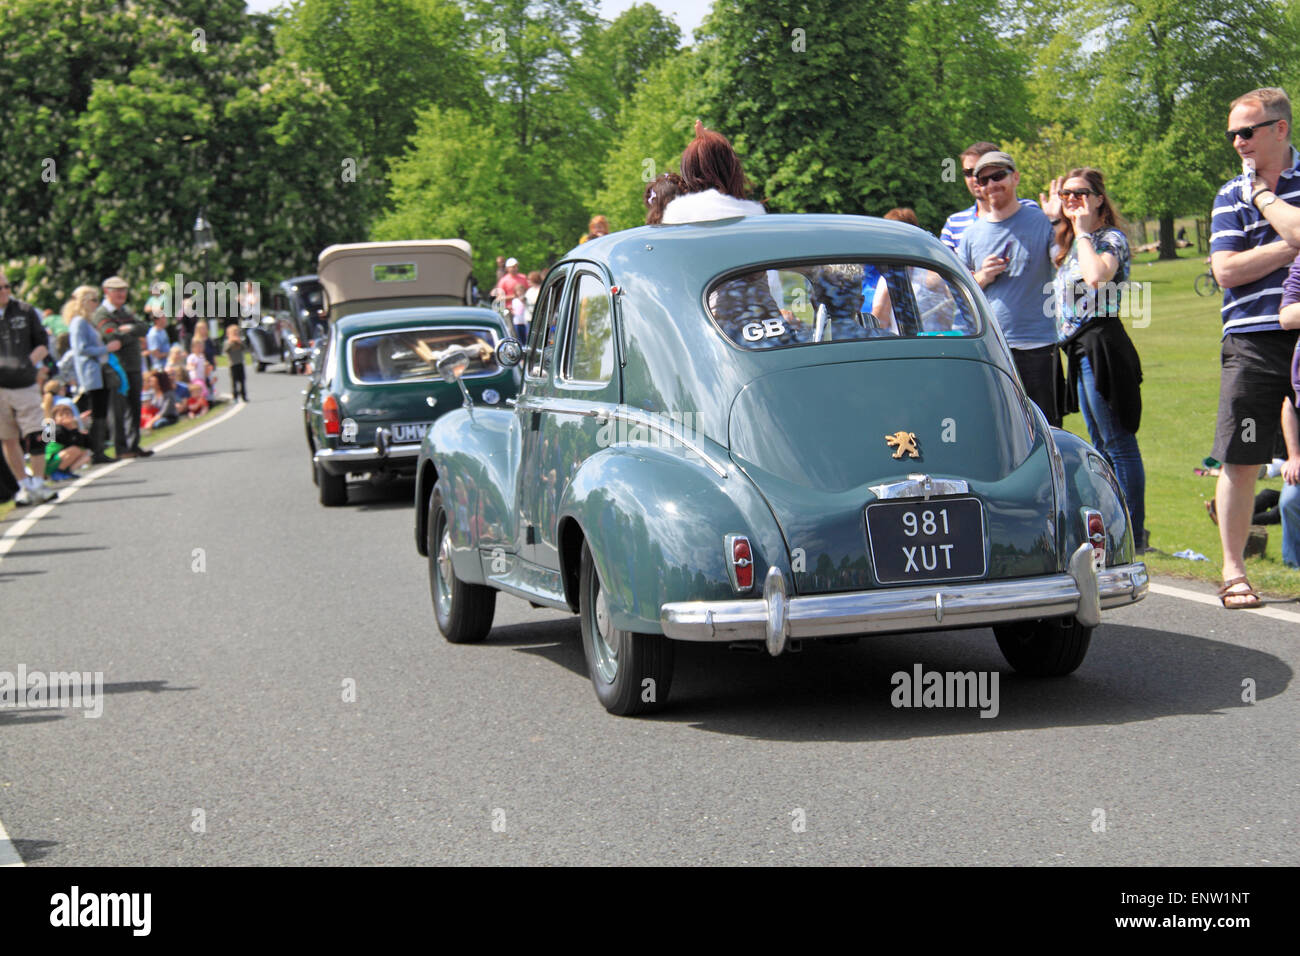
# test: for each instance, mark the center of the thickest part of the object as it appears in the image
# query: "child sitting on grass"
(159, 406)
(70, 448)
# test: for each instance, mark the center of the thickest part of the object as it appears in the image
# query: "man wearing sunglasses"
(1009, 252)
(956, 223)
(1254, 236)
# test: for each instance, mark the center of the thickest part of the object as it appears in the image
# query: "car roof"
(749, 240)
(437, 267)
(418, 317)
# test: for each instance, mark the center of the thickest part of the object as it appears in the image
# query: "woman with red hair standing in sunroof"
(714, 184)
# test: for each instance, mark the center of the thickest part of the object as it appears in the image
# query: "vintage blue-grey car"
(768, 430)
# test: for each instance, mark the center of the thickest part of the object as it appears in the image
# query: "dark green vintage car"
(769, 430)
(375, 390)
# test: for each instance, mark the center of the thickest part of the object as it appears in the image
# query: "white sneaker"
(35, 496)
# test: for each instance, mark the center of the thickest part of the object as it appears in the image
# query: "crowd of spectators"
(73, 379)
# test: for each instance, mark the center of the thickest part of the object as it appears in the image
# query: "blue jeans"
(1289, 505)
(1117, 446)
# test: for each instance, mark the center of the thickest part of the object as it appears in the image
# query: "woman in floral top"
(1105, 374)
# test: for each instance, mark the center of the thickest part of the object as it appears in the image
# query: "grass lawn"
(1180, 399)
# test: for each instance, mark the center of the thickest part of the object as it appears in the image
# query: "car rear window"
(827, 302)
(411, 355)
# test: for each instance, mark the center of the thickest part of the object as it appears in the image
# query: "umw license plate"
(409, 432)
(917, 541)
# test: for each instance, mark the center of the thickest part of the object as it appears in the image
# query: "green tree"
(815, 97)
(460, 179)
(1157, 76)
(656, 124)
(617, 56)
(145, 113)
(385, 60)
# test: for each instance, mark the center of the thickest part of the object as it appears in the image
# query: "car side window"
(590, 357)
(541, 335)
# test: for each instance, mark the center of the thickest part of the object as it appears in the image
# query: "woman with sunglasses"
(1105, 374)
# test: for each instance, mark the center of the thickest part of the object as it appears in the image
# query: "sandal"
(1249, 596)
(1212, 507)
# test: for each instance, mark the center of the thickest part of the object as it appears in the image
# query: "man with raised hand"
(1009, 252)
(956, 223)
(1250, 263)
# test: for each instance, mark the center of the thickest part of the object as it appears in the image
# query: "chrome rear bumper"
(339, 461)
(776, 619)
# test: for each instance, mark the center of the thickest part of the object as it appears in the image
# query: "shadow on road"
(37, 713)
(838, 692)
(52, 534)
(381, 495)
(18, 718)
(36, 552)
(83, 499)
(829, 692)
(5, 575)
(558, 641)
(180, 456)
(33, 850)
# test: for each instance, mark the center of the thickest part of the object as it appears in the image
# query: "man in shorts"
(23, 345)
(1250, 263)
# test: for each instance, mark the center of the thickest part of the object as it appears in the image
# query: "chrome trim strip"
(366, 453)
(603, 413)
(921, 486)
(894, 610)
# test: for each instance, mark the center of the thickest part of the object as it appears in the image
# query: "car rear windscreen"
(828, 302)
(411, 355)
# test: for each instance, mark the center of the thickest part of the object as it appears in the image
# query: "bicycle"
(1206, 284)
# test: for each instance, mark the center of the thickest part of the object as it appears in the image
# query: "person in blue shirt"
(1009, 253)
(157, 342)
(956, 224)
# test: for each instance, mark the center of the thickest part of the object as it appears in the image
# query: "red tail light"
(740, 562)
(1096, 537)
(330, 410)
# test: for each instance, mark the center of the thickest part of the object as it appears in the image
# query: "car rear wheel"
(333, 488)
(1046, 648)
(464, 611)
(261, 366)
(632, 673)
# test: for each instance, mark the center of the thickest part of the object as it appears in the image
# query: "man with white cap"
(117, 323)
(1009, 252)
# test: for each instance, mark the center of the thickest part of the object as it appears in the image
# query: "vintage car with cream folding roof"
(768, 430)
(395, 308)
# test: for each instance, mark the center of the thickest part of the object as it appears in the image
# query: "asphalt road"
(225, 693)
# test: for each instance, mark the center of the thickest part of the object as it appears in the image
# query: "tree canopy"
(510, 122)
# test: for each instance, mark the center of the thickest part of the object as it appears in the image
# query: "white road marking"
(8, 855)
(20, 528)
(1212, 601)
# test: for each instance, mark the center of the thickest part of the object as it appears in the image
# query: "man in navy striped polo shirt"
(958, 221)
(1250, 262)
